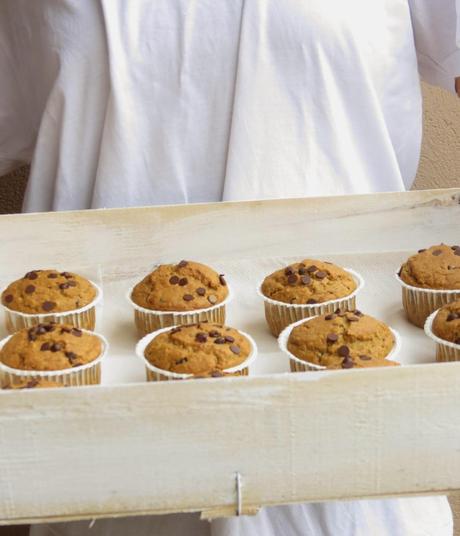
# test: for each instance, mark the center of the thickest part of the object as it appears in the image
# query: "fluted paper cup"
(280, 315)
(155, 374)
(87, 374)
(419, 303)
(149, 320)
(82, 318)
(299, 365)
(445, 350)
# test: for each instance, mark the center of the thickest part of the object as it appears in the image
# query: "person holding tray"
(122, 103)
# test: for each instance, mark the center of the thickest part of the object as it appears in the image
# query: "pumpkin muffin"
(50, 347)
(37, 383)
(48, 291)
(342, 340)
(430, 279)
(181, 293)
(446, 324)
(306, 289)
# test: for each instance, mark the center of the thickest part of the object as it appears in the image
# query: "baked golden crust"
(50, 346)
(198, 349)
(342, 340)
(446, 324)
(185, 286)
(308, 282)
(437, 267)
(48, 291)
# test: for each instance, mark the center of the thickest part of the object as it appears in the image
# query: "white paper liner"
(149, 320)
(157, 374)
(83, 317)
(445, 350)
(419, 303)
(299, 365)
(279, 314)
(87, 374)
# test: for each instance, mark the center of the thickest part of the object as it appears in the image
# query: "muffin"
(175, 294)
(305, 289)
(443, 326)
(203, 349)
(429, 280)
(50, 296)
(56, 352)
(339, 340)
(37, 383)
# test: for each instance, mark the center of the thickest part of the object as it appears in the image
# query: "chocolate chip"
(235, 349)
(457, 341)
(63, 286)
(52, 276)
(451, 316)
(31, 275)
(212, 299)
(289, 270)
(455, 247)
(181, 361)
(183, 281)
(332, 337)
(321, 275)
(201, 337)
(187, 297)
(50, 327)
(71, 356)
(76, 332)
(229, 338)
(40, 330)
(292, 279)
(66, 330)
(421, 250)
(182, 264)
(311, 301)
(457, 252)
(48, 305)
(365, 357)
(312, 269)
(56, 347)
(8, 298)
(174, 280)
(347, 363)
(358, 313)
(330, 317)
(214, 334)
(176, 330)
(45, 346)
(437, 252)
(353, 319)
(302, 270)
(67, 275)
(219, 340)
(201, 291)
(305, 280)
(32, 336)
(222, 280)
(343, 351)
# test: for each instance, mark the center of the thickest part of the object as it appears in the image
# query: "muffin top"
(198, 349)
(184, 286)
(437, 267)
(342, 340)
(446, 324)
(48, 291)
(50, 346)
(36, 383)
(308, 282)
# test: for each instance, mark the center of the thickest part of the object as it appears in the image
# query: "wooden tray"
(128, 448)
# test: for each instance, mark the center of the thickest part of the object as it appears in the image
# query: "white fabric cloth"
(167, 101)
(164, 101)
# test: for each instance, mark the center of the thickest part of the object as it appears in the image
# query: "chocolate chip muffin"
(308, 282)
(50, 347)
(36, 383)
(198, 349)
(185, 286)
(47, 292)
(342, 340)
(437, 267)
(429, 280)
(446, 324)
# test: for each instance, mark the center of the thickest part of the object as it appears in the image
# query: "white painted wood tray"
(129, 447)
